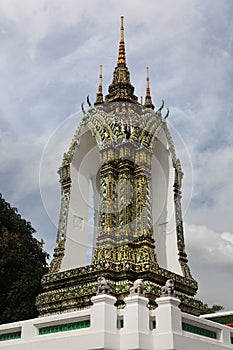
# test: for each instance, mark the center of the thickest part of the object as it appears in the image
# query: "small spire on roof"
(99, 95)
(148, 101)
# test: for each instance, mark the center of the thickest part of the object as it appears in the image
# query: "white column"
(168, 315)
(104, 321)
(135, 331)
(29, 330)
(168, 322)
(225, 336)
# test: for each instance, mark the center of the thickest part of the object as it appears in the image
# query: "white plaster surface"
(135, 335)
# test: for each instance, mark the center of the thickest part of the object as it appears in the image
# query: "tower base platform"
(72, 290)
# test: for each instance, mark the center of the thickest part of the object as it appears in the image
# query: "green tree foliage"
(210, 310)
(22, 264)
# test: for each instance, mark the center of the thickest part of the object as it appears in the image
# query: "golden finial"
(99, 95)
(121, 55)
(122, 28)
(148, 101)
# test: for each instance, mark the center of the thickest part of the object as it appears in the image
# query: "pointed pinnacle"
(99, 95)
(148, 101)
(121, 54)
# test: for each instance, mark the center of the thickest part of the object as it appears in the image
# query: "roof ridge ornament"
(82, 107)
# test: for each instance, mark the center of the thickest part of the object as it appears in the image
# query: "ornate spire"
(99, 95)
(121, 55)
(148, 101)
(121, 89)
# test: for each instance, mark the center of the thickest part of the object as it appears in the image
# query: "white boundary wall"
(130, 328)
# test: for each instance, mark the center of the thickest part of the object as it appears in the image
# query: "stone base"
(72, 289)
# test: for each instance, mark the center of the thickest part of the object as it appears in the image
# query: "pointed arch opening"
(84, 202)
(163, 206)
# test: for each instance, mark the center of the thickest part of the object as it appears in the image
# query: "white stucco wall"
(136, 333)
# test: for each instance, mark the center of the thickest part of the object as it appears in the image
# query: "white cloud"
(227, 236)
(211, 258)
(213, 249)
(213, 192)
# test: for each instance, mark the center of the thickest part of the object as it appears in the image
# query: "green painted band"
(198, 330)
(10, 336)
(64, 327)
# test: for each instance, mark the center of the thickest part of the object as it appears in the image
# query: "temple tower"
(121, 214)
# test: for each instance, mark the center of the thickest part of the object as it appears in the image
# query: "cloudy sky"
(49, 62)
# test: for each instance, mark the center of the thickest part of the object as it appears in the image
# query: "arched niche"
(163, 206)
(84, 202)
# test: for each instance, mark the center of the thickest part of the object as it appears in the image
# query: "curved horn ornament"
(167, 114)
(161, 107)
(88, 101)
(83, 110)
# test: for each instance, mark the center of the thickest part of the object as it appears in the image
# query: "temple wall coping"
(103, 326)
